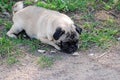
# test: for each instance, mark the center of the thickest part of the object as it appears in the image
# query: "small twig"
(101, 55)
(113, 14)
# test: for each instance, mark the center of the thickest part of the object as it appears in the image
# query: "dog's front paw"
(11, 35)
(58, 48)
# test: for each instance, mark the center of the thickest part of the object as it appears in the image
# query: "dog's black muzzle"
(69, 47)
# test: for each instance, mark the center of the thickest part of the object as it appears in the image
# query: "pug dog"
(48, 26)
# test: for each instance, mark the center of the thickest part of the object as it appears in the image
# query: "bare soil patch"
(82, 67)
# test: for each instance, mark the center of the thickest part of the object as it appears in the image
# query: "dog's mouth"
(69, 46)
(69, 50)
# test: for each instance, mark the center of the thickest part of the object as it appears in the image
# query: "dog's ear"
(59, 32)
(78, 29)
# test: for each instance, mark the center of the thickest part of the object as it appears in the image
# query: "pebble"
(91, 54)
(53, 51)
(75, 54)
(41, 51)
(118, 39)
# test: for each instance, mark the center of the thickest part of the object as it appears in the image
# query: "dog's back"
(32, 19)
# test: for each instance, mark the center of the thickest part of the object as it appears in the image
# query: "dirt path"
(82, 67)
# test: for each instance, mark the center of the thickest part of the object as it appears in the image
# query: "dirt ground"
(92, 64)
(100, 66)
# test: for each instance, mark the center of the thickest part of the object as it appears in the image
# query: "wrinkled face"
(68, 42)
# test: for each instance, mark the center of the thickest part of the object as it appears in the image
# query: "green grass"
(118, 6)
(111, 4)
(7, 24)
(87, 17)
(6, 46)
(98, 34)
(9, 48)
(32, 44)
(81, 5)
(6, 5)
(65, 5)
(12, 60)
(45, 61)
(1, 21)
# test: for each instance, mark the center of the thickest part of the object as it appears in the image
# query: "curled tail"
(17, 6)
(20, 5)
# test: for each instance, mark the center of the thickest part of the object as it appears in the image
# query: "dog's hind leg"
(13, 31)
